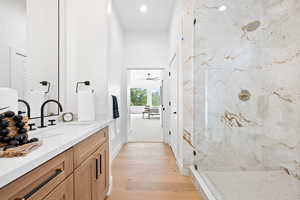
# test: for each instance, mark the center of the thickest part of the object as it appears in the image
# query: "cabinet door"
(84, 177)
(62, 192)
(92, 176)
(101, 183)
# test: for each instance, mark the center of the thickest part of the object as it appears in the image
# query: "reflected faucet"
(43, 108)
(27, 107)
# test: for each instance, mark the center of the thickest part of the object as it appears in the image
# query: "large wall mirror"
(29, 51)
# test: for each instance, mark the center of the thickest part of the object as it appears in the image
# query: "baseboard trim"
(182, 170)
(116, 151)
(110, 186)
(113, 155)
(201, 185)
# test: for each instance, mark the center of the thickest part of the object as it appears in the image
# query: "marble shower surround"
(187, 48)
(254, 45)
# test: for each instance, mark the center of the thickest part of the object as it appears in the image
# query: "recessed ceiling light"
(109, 8)
(143, 8)
(222, 8)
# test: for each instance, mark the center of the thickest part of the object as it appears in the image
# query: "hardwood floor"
(147, 171)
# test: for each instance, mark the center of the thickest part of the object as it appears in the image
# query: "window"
(156, 97)
(138, 97)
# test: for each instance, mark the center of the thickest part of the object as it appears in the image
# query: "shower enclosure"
(247, 99)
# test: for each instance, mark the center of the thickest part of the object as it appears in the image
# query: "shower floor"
(250, 185)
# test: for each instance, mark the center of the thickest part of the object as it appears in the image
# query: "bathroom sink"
(78, 123)
(63, 131)
(46, 133)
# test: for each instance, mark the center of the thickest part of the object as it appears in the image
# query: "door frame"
(128, 118)
(173, 109)
(167, 137)
(179, 154)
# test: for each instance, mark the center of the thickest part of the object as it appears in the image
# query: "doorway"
(144, 105)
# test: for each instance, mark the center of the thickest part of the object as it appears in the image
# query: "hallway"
(148, 171)
(145, 130)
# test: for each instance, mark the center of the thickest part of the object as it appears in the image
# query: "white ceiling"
(157, 18)
(138, 79)
(143, 74)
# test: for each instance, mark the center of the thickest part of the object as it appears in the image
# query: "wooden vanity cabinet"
(91, 177)
(87, 147)
(101, 183)
(37, 184)
(91, 161)
(63, 192)
(80, 173)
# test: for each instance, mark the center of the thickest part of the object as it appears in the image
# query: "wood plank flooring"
(147, 171)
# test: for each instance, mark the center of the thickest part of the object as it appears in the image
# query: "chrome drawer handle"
(36, 189)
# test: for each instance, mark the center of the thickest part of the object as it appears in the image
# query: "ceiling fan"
(149, 77)
(152, 78)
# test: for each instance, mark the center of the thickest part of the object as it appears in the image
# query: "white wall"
(116, 75)
(13, 23)
(5, 66)
(86, 50)
(12, 34)
(146, 49)
(175, 32)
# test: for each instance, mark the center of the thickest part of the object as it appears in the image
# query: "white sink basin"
(45, 133)
(78, 123)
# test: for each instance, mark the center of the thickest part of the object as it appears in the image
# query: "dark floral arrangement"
(13, 131)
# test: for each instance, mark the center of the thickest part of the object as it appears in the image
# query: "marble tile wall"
(187, 49)
(246, 82)
(188, 67)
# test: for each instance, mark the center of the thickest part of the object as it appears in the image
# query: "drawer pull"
(97, 167)
(100, 164)
(36, 189)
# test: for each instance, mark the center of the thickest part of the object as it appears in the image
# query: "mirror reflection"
(29, 52)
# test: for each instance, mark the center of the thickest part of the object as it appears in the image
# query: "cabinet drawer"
(64, 191)
(38, 183)
(87, 147)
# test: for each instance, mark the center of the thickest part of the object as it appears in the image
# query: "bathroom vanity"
(72, 164)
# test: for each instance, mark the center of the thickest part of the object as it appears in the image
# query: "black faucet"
(27, 106)
(42, 111)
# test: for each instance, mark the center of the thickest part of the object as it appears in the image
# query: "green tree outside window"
(138, 97)
(156, 97)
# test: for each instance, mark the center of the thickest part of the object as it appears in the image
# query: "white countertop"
(55, 141)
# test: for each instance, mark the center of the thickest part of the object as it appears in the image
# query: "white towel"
(36, 99)
(8, 100)
(86, 106)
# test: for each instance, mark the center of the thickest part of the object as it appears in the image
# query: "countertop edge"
(24, 169)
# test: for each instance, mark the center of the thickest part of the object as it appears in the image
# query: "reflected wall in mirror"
(29, 51)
